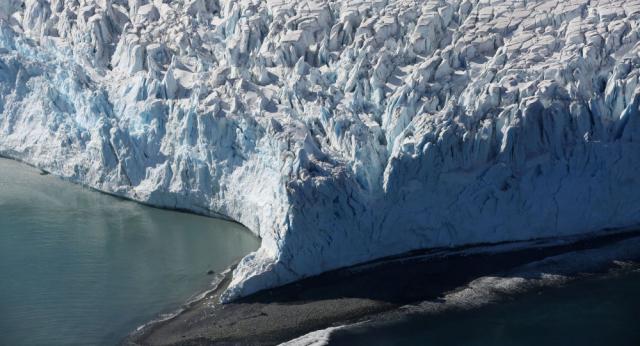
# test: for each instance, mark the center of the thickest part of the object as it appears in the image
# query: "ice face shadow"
(429, 274)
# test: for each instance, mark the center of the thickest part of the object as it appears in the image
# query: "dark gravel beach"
(372, 291)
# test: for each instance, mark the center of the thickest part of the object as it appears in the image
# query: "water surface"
(78, 267)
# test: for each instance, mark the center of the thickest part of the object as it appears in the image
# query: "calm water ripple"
(82, 268)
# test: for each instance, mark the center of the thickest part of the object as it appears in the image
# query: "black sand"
(360, 293)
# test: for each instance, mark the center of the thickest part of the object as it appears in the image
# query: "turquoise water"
(600, 311)
(82, 268)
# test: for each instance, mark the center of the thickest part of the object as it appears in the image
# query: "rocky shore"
(389, 289)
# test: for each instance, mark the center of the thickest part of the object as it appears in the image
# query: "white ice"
(338, 131)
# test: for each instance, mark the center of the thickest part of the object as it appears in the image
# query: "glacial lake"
(595, 311)
(78, 267)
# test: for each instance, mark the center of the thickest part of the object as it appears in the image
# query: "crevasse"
(338, 131)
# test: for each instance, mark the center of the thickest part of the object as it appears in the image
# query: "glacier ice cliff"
(337, 131)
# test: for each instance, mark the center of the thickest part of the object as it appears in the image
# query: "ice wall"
(338, 131)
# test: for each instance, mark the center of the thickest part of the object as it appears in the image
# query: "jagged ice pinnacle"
(338, 131)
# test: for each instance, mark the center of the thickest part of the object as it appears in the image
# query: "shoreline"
(428, 311)
(122, 259)
(220, 280)
(381, 290)
(202, 212)
(337, 310)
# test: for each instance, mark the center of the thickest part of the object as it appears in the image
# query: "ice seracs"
(338, 131)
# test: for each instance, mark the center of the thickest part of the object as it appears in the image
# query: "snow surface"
(338, 131)
(315, 338)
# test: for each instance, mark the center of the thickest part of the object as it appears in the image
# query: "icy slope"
(338, 131)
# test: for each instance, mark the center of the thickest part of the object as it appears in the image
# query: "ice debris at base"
(315, 338)
(338, 131)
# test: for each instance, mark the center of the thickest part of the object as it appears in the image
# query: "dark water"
(597, 311)
(81, 268)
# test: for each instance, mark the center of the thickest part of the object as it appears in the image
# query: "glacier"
(337, 131)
